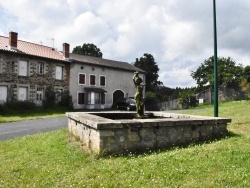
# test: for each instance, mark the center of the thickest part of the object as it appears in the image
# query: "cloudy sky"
(178, 33)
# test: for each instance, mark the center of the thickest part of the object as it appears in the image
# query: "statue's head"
(136, 73)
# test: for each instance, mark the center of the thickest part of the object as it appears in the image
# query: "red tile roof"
(28, 48)
(31, 49)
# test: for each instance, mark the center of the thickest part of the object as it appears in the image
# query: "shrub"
(245, 86)
(50, 98)
(66, 100)
(17, 107)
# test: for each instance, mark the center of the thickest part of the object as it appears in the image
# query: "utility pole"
(215, 64)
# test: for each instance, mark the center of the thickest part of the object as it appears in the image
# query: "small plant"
(50, 98)
(66, 100)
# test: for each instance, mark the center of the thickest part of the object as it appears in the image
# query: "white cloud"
(179, 34)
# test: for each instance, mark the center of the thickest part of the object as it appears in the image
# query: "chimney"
(13, 40)
(66, 50)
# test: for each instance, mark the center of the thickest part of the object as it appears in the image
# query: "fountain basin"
(118, 132)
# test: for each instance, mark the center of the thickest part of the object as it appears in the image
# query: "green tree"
(229, 73)
(148, 64)
(187, 97)
(88, 49)
(245, 83)
(246, 73)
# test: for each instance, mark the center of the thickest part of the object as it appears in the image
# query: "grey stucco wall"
(115, 80)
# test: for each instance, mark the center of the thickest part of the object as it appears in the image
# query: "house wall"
(115, 80)
(10, 78)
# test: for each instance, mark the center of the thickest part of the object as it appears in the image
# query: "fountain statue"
(139, 95)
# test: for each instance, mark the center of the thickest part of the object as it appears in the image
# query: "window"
(22, 93)
(59, 73)
(95, 98)
(22, 68)
(92, 80)
(3, 94)
(89, 98)
(40, 68)
(102, 98)
(39, 95)
(81, 98)
(81, 78)
(1, 65)
(102, 80)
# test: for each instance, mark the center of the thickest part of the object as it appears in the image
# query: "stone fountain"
(121, 132)
(116, 132)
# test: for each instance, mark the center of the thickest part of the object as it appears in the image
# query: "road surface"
(30, 127)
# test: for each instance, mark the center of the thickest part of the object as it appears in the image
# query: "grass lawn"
(50, 160)
(30, 115)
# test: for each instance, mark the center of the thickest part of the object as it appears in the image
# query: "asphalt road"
(30, 127)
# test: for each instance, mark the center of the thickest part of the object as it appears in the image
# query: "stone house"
(26, 69)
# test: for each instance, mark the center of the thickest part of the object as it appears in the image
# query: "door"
(117, 95)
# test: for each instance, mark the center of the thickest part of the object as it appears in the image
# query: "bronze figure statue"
(139, 95)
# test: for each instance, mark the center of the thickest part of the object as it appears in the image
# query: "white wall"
(115, 80)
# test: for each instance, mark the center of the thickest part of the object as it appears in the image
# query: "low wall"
(116, 132)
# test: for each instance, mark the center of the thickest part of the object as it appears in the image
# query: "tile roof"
(104, 62)
(28, 48)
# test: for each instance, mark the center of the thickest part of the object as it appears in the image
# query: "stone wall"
(170, 105)
(9, 75)
(102, 135)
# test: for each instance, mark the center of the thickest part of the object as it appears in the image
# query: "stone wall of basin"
(102, 135)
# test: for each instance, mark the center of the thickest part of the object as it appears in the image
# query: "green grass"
(10, 117)
(50, 160)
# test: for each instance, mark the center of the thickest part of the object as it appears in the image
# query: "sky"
(178, 33)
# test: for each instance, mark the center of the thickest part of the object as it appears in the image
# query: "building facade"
(27, 69)
(97, 83)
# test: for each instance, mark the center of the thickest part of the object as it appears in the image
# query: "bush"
(50, 98)
(245, 86)
(17, 107)
(151, 101)
(66, 100)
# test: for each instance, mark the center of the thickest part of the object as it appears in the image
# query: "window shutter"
(81, 78)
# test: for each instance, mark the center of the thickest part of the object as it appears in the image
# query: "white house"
(97, 83)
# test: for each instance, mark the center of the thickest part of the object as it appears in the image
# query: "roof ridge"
(36, 44)
(29, 42)
(100, 58)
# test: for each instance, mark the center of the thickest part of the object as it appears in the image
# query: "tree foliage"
(88, 49)
(245, 86)
(245, 83)
(148, 64)
(246, 73)
(229, 73)
(187, 97)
